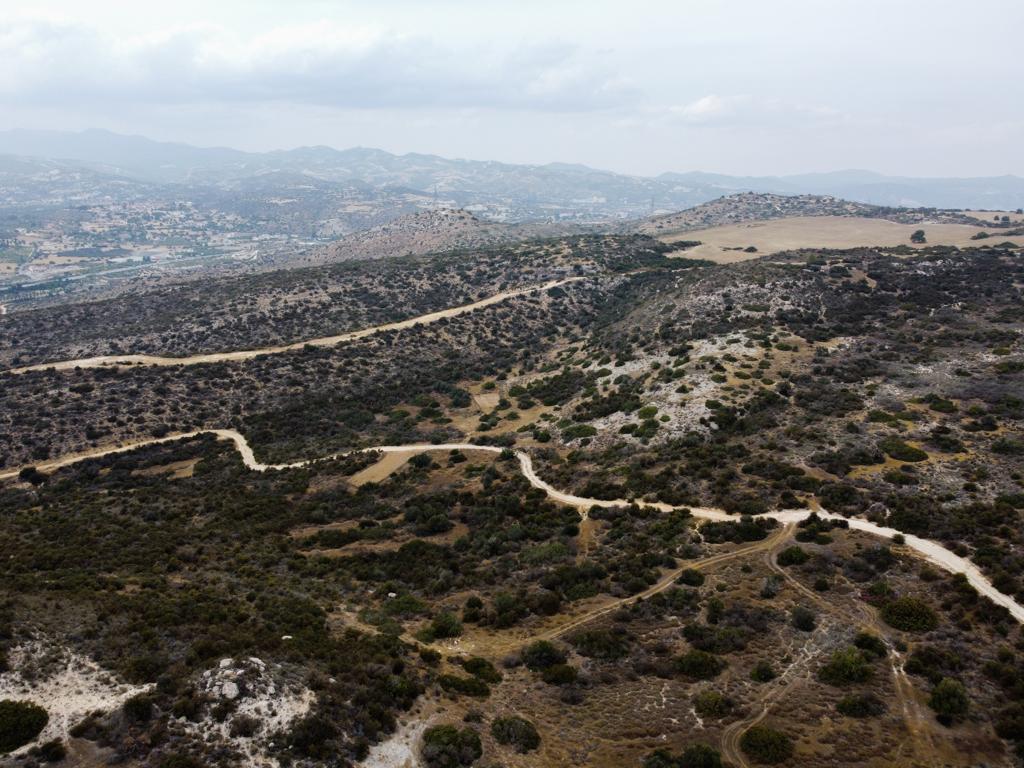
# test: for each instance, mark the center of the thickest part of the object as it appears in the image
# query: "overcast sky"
(917, 87)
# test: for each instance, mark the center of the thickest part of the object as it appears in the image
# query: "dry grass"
(814, 232)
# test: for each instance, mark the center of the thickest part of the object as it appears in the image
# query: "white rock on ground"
(67, 685)
(259, 691)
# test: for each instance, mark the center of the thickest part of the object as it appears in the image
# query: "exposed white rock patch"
(266, 702)
(401, 749)
(67, 685)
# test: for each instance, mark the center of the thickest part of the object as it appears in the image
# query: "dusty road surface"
(931, 551)
(325, 341)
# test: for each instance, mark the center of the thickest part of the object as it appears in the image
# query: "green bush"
(446, 624)
(691, 577)
(482, 669)
(516, 732)
(699, 665)
(803, 619)
(949, 700)
(139, 708)
(577, 431)
(541, 654)
(766, 746)
(712, 704)
(763, 672)
(20, 722)
(846, 666)
(607, 644)
(52, 751)
(871, 645)
(469, 686)
(180, 761)
(910, 615)
(445, 746)
(794, 555)
(694, 756)
(901, 451)
(861, 705)
(559, 674)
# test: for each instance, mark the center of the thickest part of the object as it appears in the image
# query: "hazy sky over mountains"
(746, 86)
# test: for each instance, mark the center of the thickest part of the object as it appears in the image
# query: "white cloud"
(325, 62)
(746, 109)
(704, 108)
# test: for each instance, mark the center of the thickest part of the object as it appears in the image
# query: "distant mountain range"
(500, 190)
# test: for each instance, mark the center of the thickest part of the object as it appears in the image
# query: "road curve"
(324, 341)
(931, 551)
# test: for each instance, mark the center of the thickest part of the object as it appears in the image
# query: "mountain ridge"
(563, 186)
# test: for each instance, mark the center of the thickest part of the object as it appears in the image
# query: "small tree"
(804, 618)
(918, 236)
(766, 746)
(517, 732)
(445, 746)
(846, 666)
(949, 700)
(20, 722)
(910, 615)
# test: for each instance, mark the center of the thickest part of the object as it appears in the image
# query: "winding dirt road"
(931, 551)
(325, 341)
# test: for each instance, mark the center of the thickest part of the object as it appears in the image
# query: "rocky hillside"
(761, 206)
(443, 229)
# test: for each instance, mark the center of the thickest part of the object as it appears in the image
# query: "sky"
(748, 87)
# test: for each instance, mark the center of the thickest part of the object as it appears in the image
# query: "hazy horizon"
(680, 171)
(743, 90)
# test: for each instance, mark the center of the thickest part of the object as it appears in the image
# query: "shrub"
(766, 746)
(577, 431)
(607, 644)
(517, 732)
(542, 654)
(763, 672)
(691, 577)
(861, 705)
(901, 451)
(20, 722)
(309, 736)
(445, 746)
(794, 555)
(694, 756)
(846, 666)
(138, 709)
(910, 615)
(804, 619)
(871, 645)
(52, 751)
(470, 686)
(178, 760)
(446, 624)
(712, 704)
(482, 669)
(32, 475)
(559, 674)
(949, 700)
(699, 665)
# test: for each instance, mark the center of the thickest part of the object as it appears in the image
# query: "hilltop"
(763, 206)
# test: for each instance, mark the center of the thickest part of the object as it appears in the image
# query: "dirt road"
(931, 551)
(325, 341)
